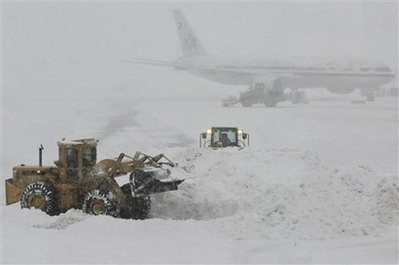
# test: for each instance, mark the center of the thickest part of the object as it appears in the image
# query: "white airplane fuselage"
(340, 78)
(337, 78)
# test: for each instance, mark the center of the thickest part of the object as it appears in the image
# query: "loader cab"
(224, 137)
(219, 137)
(76, 158)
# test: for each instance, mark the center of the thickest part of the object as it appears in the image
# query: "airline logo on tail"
(189, 42)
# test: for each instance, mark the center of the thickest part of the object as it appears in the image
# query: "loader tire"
(40, 195)
(98, 202)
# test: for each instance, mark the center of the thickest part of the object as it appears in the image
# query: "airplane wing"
(157, 62)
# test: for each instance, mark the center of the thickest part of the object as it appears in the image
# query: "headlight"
(239, 131)
(209, 131)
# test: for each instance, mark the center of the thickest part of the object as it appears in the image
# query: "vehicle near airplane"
(273, 76)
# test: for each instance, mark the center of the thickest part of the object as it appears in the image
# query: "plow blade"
(13, 192)
(156, 186)
(152, 180)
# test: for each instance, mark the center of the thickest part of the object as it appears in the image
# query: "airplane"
(270, 75)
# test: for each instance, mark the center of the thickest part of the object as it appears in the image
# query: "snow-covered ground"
(318, 184)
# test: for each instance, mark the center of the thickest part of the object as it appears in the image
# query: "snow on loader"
(77, 181)
(220, 137)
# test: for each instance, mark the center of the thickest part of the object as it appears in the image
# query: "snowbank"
(280, 194)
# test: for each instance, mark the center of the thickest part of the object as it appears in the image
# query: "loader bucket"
(152, 180)
(13, 193)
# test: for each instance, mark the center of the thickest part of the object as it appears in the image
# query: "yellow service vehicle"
(220, 137)
(78, 181)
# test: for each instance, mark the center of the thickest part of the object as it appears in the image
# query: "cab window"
(72, 158)
(227, 137)
(89, 157)
(72, 162)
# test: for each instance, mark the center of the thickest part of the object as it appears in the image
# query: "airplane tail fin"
(190, 44)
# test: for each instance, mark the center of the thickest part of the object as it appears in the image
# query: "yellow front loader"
(78, 181)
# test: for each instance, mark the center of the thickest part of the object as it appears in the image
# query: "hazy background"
(64, 76)
(79, 47)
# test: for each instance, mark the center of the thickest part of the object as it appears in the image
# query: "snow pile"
(280, 194)
(62, 221)
(386, 201)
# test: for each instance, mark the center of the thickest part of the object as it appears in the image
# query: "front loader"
(222, 137)
(78, 182)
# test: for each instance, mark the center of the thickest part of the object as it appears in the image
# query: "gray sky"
(71, 41)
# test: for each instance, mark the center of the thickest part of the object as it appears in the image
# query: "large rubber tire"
(98, 202)
(40, 195)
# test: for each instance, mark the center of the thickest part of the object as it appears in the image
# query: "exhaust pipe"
(41, 148)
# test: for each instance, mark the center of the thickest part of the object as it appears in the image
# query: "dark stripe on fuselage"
(352, 75)
(334, 74)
